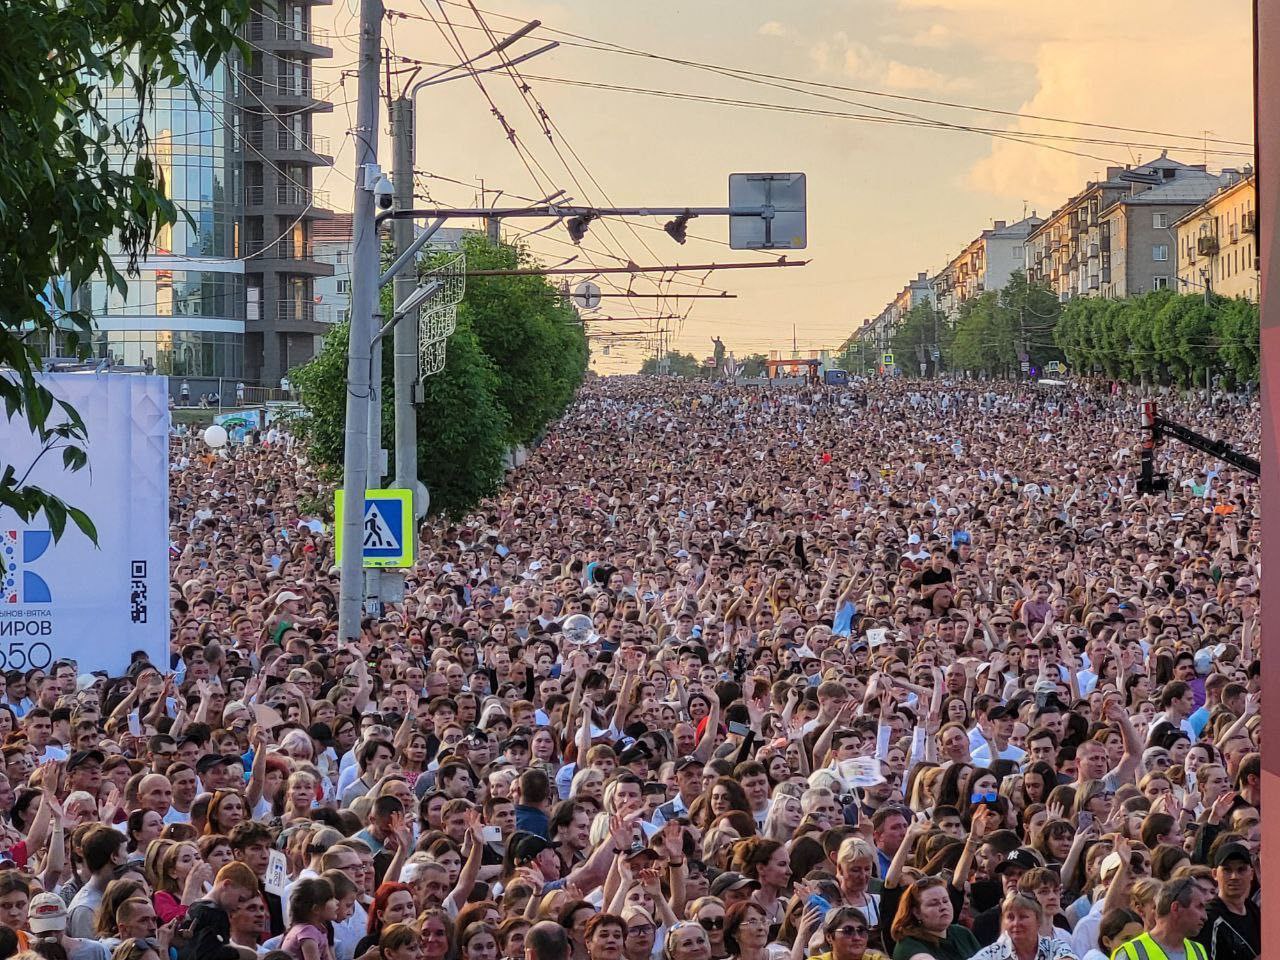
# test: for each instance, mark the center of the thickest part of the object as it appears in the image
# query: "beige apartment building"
(1074, 250)
(986, 263)
(1217, 241)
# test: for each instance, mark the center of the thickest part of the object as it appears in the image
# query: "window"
(1019, 253)
(344, 286)
(1160, 221)
(1160, 251)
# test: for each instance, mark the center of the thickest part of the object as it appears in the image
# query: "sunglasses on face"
(851, 930)
(711, 923)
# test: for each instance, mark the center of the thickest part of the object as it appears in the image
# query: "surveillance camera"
(384, 192)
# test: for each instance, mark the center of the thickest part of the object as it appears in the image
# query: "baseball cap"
(1021, 859)
(47, 912)
(211, 760)
(731, 880)
(1232, 851)
(526, 846)
(685, 762)
(81, 757)
(284, 596)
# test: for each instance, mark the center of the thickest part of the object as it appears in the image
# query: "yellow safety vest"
(1145, 948)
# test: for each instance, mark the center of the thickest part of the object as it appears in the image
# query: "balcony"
(292, 195)
(271, 30)
(296, 146)
(1207, 246)
(1249, 221)
(314, 94)
(1234, 231)
(296, 311)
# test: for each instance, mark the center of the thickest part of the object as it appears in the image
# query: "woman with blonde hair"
(299, 795)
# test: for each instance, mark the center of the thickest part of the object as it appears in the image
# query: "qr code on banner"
(138, 591)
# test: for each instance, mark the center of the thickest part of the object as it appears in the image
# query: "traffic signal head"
(677, 228)
(578, 226)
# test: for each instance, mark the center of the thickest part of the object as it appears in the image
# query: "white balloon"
(215, 436)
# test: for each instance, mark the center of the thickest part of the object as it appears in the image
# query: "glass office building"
(184, 313)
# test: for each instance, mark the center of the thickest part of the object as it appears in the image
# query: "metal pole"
(364, 276)
(406, 333)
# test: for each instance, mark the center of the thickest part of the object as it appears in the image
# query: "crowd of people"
(894, 669)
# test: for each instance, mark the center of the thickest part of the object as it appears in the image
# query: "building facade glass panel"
(193, 272)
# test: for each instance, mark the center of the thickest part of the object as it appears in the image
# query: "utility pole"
(364, 293)
(406, 335)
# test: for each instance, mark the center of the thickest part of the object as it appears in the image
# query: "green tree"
(462, 428)
(534, 340)
(678, 365)
(73, 179)
(1025, 324)
(466, 422)
(980, 345)
(922, 330)
(1236, 325)
(752, 366)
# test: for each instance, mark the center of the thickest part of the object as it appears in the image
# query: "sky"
(886, 199)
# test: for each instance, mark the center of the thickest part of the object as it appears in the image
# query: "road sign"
(1025, 365)
(887, 359)
(1053, 366)
(586, 295)
(767, 211)
(387, 529)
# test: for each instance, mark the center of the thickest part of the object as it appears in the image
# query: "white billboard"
(71, 599)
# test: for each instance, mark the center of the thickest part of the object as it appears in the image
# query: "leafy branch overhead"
(76, 184)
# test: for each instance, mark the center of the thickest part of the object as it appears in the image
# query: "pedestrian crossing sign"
(887, 359)
(387, 531)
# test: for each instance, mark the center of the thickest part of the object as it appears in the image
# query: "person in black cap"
(84, 770)
(732, 887)
(1233, 930)
(986, 925)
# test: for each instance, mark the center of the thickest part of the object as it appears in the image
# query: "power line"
(540, 114)
(606, 46)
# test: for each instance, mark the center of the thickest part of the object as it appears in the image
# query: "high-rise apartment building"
(279, 95)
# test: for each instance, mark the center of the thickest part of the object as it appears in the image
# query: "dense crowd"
(897, 669)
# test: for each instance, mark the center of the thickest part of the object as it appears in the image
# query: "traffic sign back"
(387, 530)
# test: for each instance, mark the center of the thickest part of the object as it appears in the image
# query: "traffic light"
(676, 229)
(577, 226)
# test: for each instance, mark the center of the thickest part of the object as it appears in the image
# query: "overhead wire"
(607, 46)
(540, 115)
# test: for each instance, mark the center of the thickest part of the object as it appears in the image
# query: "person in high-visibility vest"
(1180, 913)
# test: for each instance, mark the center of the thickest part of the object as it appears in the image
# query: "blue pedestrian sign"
(387, 532)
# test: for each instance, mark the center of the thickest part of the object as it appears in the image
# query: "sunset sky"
(885, 199)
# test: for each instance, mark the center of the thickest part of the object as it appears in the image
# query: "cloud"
(772, 28)
(1087, 81)
(857, 61)
(902, 76)
(934, 37)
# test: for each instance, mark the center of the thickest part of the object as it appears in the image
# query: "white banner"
(70, 599)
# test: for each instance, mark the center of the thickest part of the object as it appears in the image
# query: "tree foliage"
(468, 419)
(995, 331)
(677, 365)
(1162, 337)
(71, 182)
(921, 331)
(532, 337)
